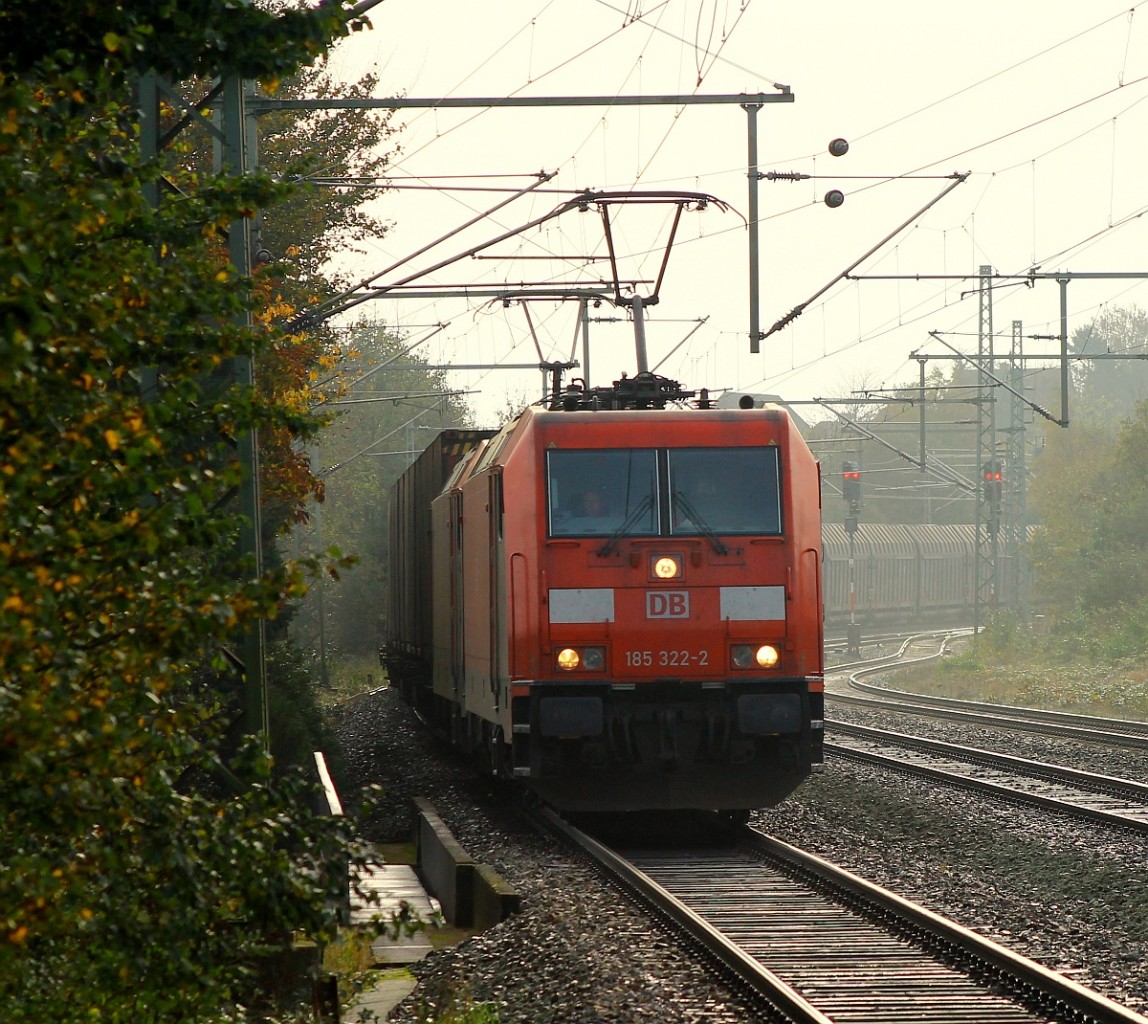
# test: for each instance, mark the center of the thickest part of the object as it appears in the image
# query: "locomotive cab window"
(724, 491)
(602, 491)
(678, 491)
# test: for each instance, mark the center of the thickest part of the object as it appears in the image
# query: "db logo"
(667, 604)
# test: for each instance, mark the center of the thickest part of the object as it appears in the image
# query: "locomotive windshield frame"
(652, 492)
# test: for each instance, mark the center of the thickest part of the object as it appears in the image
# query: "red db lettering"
(667, 604)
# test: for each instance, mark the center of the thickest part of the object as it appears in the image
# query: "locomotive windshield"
(645, 492)
(599, 491)
(724, 490)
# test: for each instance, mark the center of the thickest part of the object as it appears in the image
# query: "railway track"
(820, 944)
(843, 680)
(1119, 802)
(1102, 798)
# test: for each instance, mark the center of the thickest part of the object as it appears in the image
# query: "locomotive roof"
(773, 412)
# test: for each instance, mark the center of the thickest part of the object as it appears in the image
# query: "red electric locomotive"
(624, 606)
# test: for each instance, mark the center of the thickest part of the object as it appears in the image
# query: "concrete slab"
(378, 1001)
(389, 890)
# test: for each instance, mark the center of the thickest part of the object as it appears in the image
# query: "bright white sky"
(1043, 101)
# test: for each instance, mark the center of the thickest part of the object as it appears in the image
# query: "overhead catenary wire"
(865, 331)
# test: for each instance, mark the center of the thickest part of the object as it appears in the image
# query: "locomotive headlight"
(593, 659)
(750, 655)
(588, 659)
(666, 567)
(766, 656)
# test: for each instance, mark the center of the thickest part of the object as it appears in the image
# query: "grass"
(350, 958)
(397, 853)
(350, 954)
(458, 1008)
(1112, 691)
(349, 677)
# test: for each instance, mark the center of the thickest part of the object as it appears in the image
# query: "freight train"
(617, 604)
(903, 575)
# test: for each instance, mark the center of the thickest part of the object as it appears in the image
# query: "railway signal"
(851, 492)
(992, 492)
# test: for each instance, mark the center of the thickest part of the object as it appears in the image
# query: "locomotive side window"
(602, 491)
(724, 491)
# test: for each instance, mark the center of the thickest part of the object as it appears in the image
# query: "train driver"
(592, 513)
(592, 505)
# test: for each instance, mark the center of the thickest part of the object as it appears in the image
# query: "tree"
(1110, 389)
(336, 160)
(894, 489)
(339, 158)
(1090, 554)
(178, 39)
(301, 237)
(1068, 482)
(394, 404)
(140, 872)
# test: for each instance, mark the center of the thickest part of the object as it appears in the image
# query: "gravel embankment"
(1074, 897)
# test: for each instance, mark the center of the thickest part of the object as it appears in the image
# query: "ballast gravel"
(1072, 896)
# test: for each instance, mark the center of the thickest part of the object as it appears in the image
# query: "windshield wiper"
(611, 542)
(705, 528)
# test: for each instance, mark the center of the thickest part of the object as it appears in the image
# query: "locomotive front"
(648, 634)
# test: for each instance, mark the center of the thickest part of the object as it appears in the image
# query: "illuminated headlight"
(589, 659)
(667, 567)
(766, 656)
(750, 655)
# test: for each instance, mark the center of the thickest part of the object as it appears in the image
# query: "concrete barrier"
(471, 895)
(328, 805)
(445, 868)
(495, 899)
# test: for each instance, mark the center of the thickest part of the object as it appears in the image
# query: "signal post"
(851, 492)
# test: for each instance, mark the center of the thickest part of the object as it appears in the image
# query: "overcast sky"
(1043, 103)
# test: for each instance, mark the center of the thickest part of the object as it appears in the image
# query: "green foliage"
(177, 38)
(350, 676)
(394, 407)
(967, 662)
(321, 221)
(1108, 390)
(1004, 637)
(1091, 552)
(1040, 678)
(457, 1007)
(158, 911)
(142, 875)
(298, 727)
(1112, 636)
